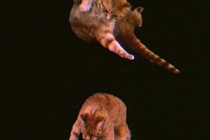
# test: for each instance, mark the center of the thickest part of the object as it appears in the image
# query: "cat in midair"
(94, 25)
(101, 117)
(124, 31)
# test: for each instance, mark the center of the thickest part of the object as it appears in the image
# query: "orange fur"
(101, 117)
(125, 32)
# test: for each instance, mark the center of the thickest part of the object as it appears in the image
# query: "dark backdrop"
(47, 72)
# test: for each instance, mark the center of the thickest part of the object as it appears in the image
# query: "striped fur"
(117, 8)
(94, 25)
(105, 20)
(101, 117)
(125, 32)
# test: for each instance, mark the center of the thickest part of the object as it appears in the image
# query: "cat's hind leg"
(108, 41)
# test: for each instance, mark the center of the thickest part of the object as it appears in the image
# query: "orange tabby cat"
(94, 25)
(124, 30)
(102, 117)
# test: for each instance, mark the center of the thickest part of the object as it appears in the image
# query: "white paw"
(84, 7)
(130, 57)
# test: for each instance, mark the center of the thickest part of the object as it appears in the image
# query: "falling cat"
(94, 25)
(101, 117)
(103, 21)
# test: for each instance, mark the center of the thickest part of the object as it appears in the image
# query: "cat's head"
(94, 126)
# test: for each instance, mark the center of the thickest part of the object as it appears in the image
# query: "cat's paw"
(130, 57)
(85, 7)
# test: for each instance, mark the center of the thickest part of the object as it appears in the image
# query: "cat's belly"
(86, 24)
(83, 34)
(79, 24)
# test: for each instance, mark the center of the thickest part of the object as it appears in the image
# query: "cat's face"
(94, 126)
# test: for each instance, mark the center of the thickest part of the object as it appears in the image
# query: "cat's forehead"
(90, 109)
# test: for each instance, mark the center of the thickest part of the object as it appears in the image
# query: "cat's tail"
(137, 46)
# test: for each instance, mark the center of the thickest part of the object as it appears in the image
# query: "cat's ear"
(140, 9)
(100, 122)
(84, 117)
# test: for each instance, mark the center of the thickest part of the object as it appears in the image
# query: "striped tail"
(138, 47)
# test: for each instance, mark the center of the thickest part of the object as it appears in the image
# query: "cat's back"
(104, 102)
(103, 99)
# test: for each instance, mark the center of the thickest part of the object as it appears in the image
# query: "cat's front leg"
(75, 132)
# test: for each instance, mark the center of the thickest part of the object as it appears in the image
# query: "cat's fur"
(124, 30)
(101, 117)
(94, 25)
(116, 8)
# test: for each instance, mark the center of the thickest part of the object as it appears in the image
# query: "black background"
(47, 72)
